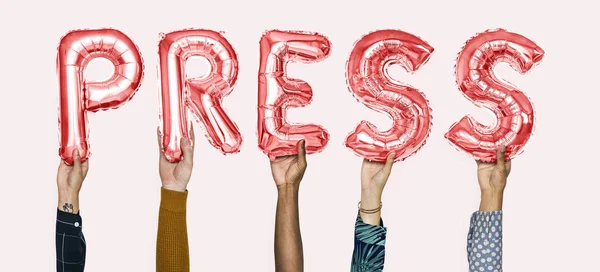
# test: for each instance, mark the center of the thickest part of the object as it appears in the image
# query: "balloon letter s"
(477, 81)
(370, 83)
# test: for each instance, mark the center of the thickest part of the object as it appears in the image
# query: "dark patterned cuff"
(370, 234)
(68, 223)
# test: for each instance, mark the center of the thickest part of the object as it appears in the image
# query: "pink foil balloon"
(202, 96)
(78, 96)
(475, 77)
(371, 85)
(277, 92)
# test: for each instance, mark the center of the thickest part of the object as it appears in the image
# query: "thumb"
(159, 138)
(389, 162)
(76, 160)
(501, 157)
(188, 152)
(302, 152)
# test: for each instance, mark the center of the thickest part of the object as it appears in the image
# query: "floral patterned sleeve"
(484, 242)
(369, 247)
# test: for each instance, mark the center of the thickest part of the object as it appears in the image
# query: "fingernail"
(502, 148)
(76, 152)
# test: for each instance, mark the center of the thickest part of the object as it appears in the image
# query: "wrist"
(370, 211)
(287, 190)
(491, 200)
(288, 187)
(492, 190)
(68, 202)
(176, 188)
(370, 198)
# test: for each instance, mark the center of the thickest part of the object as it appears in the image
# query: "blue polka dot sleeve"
(484, 242)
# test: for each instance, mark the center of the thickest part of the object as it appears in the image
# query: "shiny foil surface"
(77, 96)
(370, 83)
(515, 116)
(202, 97)
(276, 92)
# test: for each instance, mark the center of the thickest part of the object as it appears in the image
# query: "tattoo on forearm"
(68, 207)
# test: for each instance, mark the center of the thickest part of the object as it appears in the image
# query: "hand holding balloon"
(175, 176)
(374, 176)
(69, 180)
(492, 181)
(289, 170)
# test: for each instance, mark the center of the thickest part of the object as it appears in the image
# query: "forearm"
(288, 240)
(68, 201)
(491, 200)
(370, 200)
(172, 250)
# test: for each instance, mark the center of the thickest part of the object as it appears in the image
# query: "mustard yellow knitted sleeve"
(172, 251)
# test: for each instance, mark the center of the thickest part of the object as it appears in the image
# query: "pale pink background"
(551, 206)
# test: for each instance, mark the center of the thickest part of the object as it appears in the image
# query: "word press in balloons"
(476, 79)
(182, 97)
(201, 96)
(277, 92)
(77, 96)
(370, 83)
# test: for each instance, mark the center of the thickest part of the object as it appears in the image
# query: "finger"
(76, 160)
(389, 162)
(192, 136)
(500, 157)
(63, 164)
(85, 164)
(159, 138)
(302, 152)
(188, 152)
(161, 154)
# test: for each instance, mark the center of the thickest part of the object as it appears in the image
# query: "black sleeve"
(70, 243)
